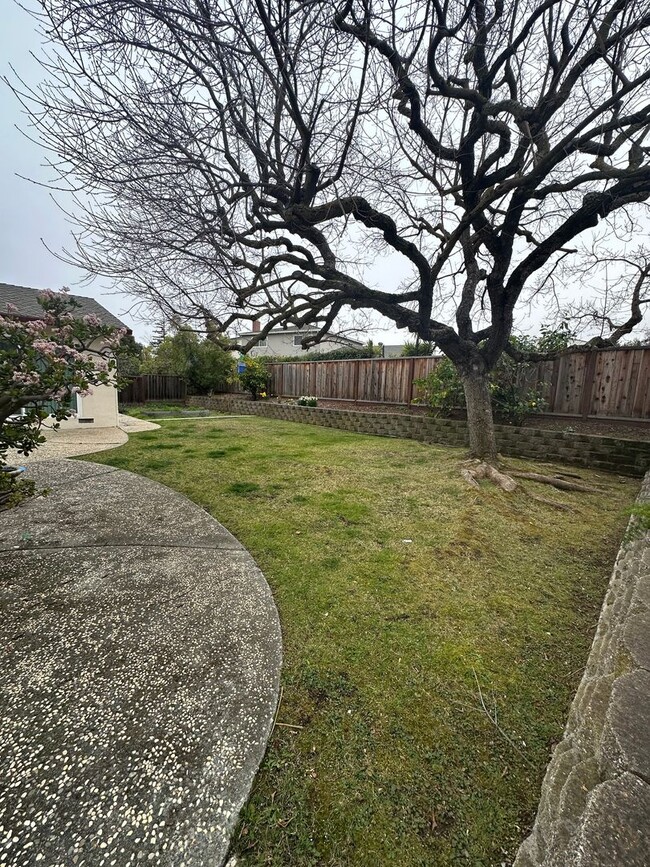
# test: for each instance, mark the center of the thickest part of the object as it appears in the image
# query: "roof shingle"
(26, 300)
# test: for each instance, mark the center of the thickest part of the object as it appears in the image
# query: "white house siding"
(100, 406)
(281, 343)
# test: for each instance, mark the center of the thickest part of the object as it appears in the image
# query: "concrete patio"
(140, 677)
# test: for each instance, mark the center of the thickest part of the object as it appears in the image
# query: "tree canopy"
(250, 159)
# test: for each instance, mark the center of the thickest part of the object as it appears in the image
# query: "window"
(297, 339)
(261, 342)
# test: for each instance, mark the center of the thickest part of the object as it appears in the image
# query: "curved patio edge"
(142, 673)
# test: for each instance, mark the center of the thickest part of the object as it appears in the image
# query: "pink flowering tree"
(44, 362)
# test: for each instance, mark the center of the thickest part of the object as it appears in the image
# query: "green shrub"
(206, 363)
(306, 400)
(417, 348)
(341, 354)
(512, 401)
(441, 390)
(254, 377)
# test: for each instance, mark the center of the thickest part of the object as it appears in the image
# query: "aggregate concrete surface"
(66, 442)
(140, 674)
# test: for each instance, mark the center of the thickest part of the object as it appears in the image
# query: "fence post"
(588, 384)
(411, 374)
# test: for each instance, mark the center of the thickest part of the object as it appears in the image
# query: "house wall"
(281, 343)
(101, 406)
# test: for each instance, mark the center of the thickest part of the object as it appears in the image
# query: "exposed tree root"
(561, 484)
(481, 470)
(562, 507)
(473, 471)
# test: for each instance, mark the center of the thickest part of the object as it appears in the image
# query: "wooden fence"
(596, 383)
(153, 387)
(373, 380)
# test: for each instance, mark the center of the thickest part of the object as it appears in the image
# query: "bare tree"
(617, 289)
(238, 159)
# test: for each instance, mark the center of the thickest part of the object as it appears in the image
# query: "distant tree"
(204, 363)
(159, 333)
(253, 158)
(129, 357)
(417, 347)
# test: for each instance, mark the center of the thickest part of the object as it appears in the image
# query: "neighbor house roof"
(25, 299)
(292, 329)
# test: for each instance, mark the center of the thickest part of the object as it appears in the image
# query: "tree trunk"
(480, 422)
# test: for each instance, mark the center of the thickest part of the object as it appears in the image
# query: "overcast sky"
(28, 215)
(31, 221)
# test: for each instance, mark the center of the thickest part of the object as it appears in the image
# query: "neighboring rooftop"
(292, 329)
(26, 300)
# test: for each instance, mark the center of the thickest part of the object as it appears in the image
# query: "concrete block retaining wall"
(627, 457)
(595, 802)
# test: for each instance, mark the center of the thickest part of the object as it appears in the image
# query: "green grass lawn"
(142, 410)
(408, 600)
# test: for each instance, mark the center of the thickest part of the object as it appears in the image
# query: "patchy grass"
(401, 592)
(142, 410)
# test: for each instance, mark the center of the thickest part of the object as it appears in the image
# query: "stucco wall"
(595, 800)
(628, 457)
(281, 343)
(101, 406)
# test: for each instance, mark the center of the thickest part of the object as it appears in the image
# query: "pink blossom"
(20, 377)
(73, 354)
(47, 347)
(11, 308)
(37, 326)
(92, 320)
(47, 294)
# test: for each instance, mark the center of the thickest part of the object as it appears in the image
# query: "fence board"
(603, 383)
(374, 380)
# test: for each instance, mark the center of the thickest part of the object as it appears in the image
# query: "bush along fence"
(595, 803)
(153, 387)
(627, 457)
(595, 383)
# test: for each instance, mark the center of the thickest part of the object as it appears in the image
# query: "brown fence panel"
(141, 389)
(374, 380)
(601, 383)
(596, 383)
